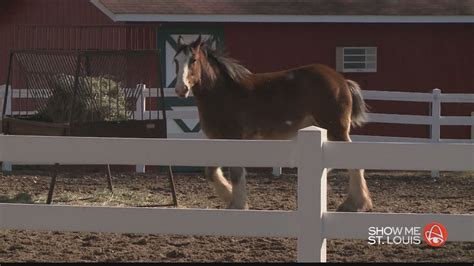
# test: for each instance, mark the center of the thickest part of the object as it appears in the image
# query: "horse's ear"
(197, 44)
(180, 41)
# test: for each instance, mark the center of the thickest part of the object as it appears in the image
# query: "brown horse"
(234, 103)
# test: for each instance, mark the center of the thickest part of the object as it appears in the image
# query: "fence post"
(276, 171)
(312, 185)
(141, 108)
(6, 166)
(435, 123)
(8, 109)
(472, 127)
(2, 95)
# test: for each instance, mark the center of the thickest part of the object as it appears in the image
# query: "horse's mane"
(226, 64)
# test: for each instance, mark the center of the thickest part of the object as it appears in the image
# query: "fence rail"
(311, 223)
(435, 98)
(435, 120)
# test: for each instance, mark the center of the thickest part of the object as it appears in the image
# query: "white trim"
(279, 18)
(290, 18)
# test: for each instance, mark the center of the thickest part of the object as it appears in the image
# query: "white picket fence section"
(310, 152)
(435, 120)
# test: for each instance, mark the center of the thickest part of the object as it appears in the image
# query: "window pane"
(371, 65)
(352, 58)
(370, 58)
(355, 51)
(354, 65)
(372, 50)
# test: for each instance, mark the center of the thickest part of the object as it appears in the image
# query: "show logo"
(434, 234)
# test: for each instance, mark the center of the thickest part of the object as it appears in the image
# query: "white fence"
(435, 120)
(311, 223)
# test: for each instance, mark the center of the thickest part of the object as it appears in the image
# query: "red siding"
(16, 13)
(414, 57)
(411, 57)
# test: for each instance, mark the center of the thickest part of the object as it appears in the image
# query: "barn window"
(356, 59)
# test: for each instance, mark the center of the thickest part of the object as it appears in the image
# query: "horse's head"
(189, 62)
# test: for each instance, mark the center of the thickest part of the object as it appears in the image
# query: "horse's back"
(315, 69)
(310, 77)
(279, 103)
(315, 81)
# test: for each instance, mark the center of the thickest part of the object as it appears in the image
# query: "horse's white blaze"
(182, 84)
(185, 75)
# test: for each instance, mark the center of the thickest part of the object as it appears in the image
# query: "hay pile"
(97, 99)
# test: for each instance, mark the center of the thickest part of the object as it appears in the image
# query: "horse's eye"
(192, 61)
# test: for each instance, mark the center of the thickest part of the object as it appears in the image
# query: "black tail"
(359, 108)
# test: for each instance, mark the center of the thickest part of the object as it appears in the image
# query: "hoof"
(350, 205)
(238, 206)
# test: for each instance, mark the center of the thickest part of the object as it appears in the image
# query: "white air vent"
(356, 59)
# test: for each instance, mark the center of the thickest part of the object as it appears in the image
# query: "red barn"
(413, 46)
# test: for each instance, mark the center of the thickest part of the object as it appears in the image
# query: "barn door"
(186, 127)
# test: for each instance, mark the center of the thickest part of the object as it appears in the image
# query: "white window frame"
(370, 59)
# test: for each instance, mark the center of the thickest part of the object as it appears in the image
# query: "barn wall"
(60, 13)
(63, 24)
(418, 57)
(411, 57)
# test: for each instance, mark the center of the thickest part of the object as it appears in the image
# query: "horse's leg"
(223, 188)
(358, 198)
(239, 192)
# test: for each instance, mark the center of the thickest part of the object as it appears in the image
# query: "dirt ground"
(392, 191)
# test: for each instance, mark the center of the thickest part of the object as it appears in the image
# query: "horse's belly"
(262, 126)
(279, 129)
(221, 129)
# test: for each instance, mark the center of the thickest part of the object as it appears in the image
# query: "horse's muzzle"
(182, 92)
